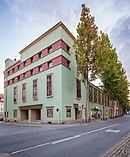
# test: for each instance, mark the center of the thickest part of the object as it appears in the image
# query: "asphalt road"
(78, 140)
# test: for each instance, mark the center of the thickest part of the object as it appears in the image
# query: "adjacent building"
(43, 85)
(1, 106)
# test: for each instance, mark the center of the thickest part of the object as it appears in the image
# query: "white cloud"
(31, 18)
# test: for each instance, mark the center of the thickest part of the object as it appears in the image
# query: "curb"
(111, 152)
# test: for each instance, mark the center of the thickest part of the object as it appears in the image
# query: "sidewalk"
(38, 124)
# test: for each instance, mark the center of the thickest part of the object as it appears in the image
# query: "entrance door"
(38, 114)
(77, 113)
(35, 114)
(24, 115)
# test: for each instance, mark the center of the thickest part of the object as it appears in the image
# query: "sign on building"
(80, 106)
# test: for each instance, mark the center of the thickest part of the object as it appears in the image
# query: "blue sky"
(22, 21)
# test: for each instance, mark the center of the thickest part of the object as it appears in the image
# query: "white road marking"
(29, 148)
(63, 140)
(115, 131)
(66, 139)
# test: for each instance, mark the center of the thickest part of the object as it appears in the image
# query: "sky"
(22, 21)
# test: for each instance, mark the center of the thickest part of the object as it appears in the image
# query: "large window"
(68, 112)
(35, 89)
(49, 112)
(15, 94)
(49, 85)
(24, 92)
(78, 88)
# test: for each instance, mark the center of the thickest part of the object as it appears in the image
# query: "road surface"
(74, 140)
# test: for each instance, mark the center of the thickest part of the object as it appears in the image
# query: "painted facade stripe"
(55, 46)
(56, 61)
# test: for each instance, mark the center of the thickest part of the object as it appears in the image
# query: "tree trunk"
(87, 113)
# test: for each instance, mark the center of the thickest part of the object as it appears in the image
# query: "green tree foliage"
(86, 45)
(111, 72)
(96, 57)
(86, 49)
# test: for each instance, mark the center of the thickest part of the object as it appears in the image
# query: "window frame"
(24, 93)
(15, 94)
(68, 115)
(49, 64)
(47, 92)
(35, 91)
(49, 49)
(40, 54)
(49, 116)
(40, 68)
(78, 96)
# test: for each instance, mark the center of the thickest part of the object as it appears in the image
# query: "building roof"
(46, 33)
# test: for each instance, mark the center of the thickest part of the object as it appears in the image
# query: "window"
(6, 114)
(39, 54)
(49, 85)
(40, 68)
(99, 97)
(78, 88)
(50, 49)
(15, 113)
(49, 112)
(35, 89)
(18, 77)
(13, 70)
(49, 64)
(12, 80)
(32, 72)
(90, 93)
(31, 59)
(24, 63)
(68, 63)
(95, 95)
(68, 112)
(15, 94)
(24, 92)
(18, 67)
(24, 75)
(68, 48)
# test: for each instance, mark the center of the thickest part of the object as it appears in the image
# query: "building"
(1, 106)
(43, 85)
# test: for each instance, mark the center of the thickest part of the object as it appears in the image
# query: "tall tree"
(111, 72)
(85, 48)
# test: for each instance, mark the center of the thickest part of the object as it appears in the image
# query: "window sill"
(35, 99)
(24, 101)
(49, 96)
(78, 98)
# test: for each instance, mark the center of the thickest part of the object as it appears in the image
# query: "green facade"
(64, 87)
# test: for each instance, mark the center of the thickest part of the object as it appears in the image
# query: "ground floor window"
(15, 113)
(49, 112)
(6, 114)
(68, 112)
